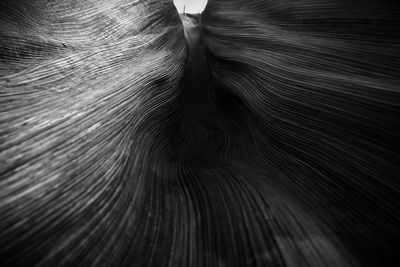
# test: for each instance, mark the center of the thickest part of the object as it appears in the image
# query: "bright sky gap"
(192, 6)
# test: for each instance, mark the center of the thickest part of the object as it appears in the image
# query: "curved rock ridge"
(87, 97)
(322, 80)
(263, 133)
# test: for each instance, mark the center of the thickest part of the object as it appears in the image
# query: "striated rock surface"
(262, 134)
(322, 80)
(88, 89)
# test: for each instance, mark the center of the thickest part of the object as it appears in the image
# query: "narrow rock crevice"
(263, 133)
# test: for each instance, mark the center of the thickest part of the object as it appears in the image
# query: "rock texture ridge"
(263, 133)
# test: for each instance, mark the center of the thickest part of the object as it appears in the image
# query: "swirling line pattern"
(322, 78)
(261, 134)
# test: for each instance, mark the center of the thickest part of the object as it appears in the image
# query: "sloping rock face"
(322, 80)
(87, 96)
(262, 134)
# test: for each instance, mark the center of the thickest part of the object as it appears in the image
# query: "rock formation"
(262, 134)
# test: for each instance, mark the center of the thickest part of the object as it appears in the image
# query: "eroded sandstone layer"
(263, 133)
